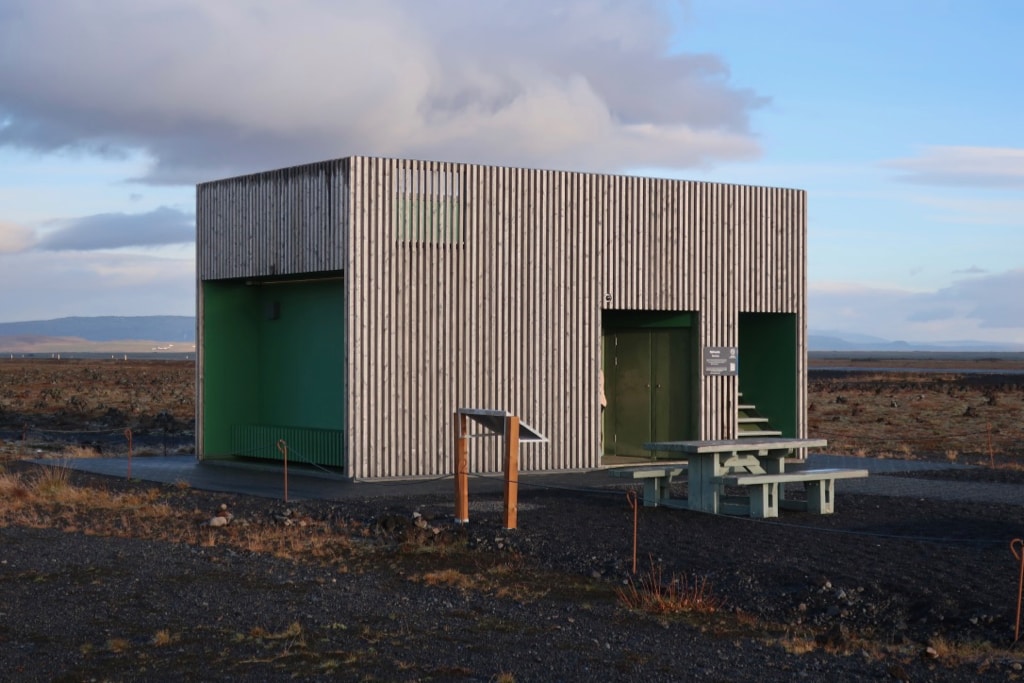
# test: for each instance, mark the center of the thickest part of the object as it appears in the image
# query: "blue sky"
(901, 119)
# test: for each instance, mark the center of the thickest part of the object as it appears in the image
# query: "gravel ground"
(407, 596)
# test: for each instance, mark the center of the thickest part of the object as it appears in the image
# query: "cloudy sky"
(901, 119)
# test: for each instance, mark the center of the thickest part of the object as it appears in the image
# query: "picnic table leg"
(652, 492)
(776, 465)
(820, 496)
(704, 493)
(764, 500)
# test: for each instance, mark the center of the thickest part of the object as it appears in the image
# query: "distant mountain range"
(134, 334)
(181, 330)
(831, 340)
(170, 328)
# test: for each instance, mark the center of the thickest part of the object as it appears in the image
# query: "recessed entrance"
(273, 369)
(768, 368)
(649, 378)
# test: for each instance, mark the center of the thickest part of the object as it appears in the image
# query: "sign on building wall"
(721, 360)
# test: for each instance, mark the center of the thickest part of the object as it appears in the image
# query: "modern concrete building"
(350, 306)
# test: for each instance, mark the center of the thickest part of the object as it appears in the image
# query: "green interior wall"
(768, 367)
(649, 379)
(273, 357)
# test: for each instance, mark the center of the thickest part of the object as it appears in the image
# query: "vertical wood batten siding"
(508, 316)
(286, 222)
(473, 286)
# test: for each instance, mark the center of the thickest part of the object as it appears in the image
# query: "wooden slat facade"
(475, 286)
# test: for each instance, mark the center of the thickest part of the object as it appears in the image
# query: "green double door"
(648, 383)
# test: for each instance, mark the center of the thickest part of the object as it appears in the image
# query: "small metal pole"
(991, 455)
(1016, 545)
(631, 498)
(128, 435)
(282, 446)
(511, 471)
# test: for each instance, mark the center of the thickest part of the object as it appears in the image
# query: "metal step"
(757, 432)
(753, 420)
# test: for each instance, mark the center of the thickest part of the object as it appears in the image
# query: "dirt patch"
(971, 419)
(46, 404)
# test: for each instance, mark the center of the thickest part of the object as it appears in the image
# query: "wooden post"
(461, 470)
(511, 471)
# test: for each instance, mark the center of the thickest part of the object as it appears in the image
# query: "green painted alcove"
(768, 367)
(274, 359)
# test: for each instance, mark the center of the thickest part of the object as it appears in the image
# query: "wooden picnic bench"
(656, 479)
(757, 464)
(764, 498)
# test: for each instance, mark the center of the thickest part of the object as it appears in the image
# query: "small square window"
(428, 207)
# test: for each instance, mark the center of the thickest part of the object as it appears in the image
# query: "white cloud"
(985, 308)
(113, 230)
(14, 237)
(211, 89)
(991, 167)
(58, 284)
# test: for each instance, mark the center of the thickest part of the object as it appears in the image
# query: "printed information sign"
(721, 360)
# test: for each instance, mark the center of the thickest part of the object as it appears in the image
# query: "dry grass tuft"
(449, 577)
(118, 645)
(13, 490)
(77, 452)
(953, 653)
(164, 637)
(52, 480)
(294, 630)
(798, 645)
(677, 596)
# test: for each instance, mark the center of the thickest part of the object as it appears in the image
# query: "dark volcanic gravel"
(859, 595)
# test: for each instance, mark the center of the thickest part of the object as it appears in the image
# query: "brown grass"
(505, 576)
(164, 637)
(449, 577)
(46, 497)
(677, 596)
(918, 416)
(118, 645)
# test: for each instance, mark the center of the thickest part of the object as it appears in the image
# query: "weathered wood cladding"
(509, 314)
(286, 222)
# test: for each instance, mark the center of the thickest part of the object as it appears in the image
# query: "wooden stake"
(461, 470)
(511, 471)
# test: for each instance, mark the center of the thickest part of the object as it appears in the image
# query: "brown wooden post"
(511, 471)
(461, 470)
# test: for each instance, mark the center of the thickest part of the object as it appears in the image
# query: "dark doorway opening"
(768, 367)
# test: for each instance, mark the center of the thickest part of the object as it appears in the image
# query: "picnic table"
(756, 465)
